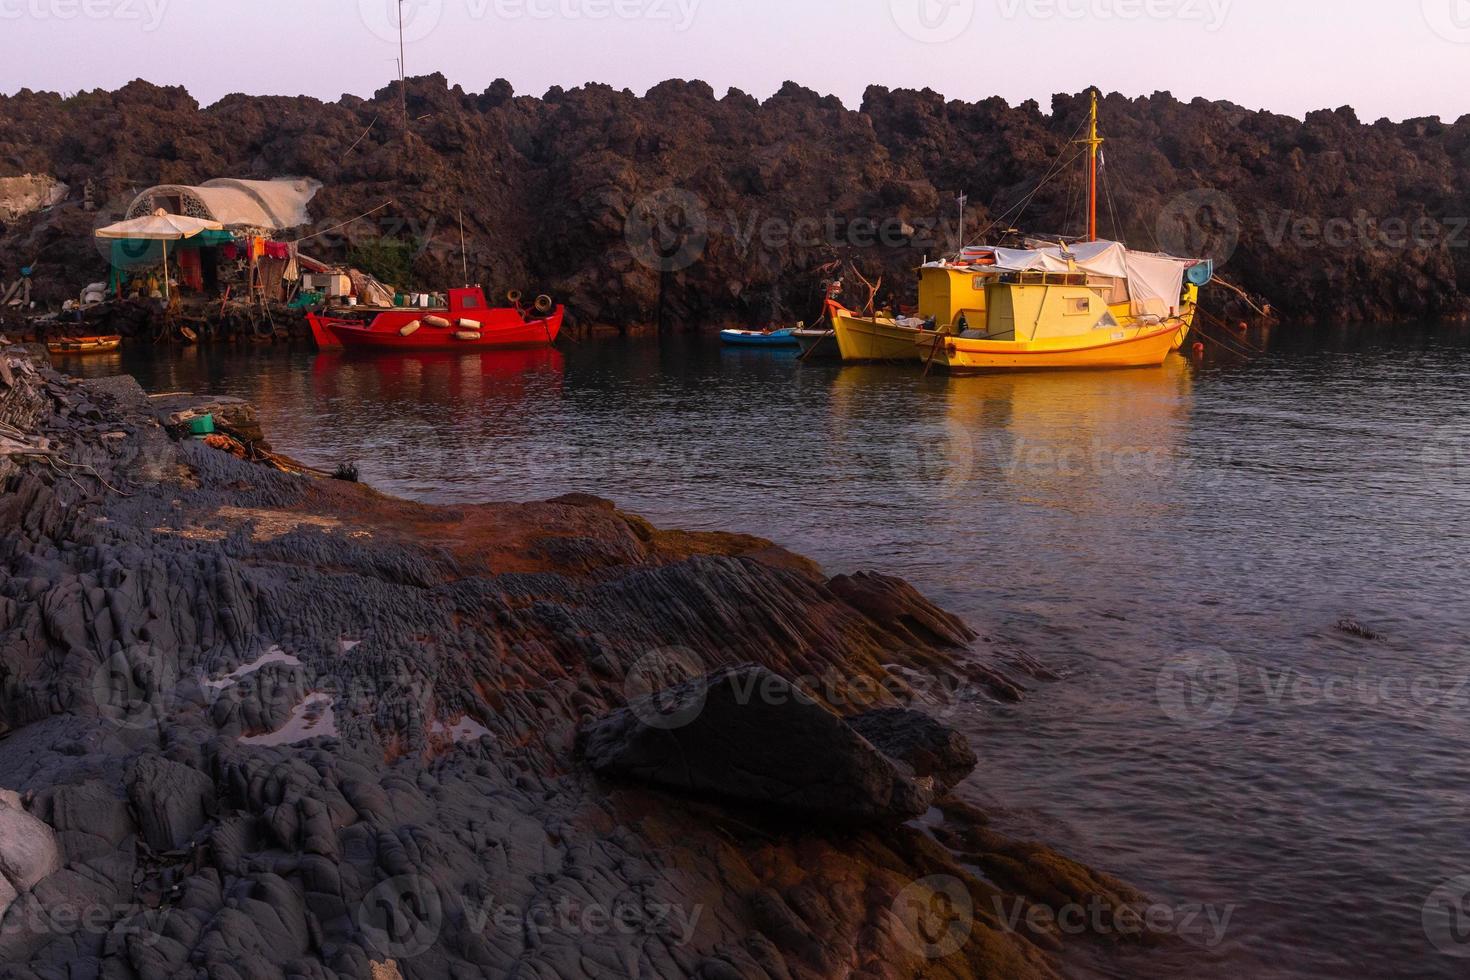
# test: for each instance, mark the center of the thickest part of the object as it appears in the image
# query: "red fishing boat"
(467, 324)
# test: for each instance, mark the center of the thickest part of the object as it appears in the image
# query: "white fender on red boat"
(409, 329)
(435, 321)
(467, 335)
(469, 324)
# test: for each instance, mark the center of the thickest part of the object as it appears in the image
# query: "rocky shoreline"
(255, 722)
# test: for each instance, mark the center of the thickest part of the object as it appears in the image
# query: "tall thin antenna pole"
(464, 257)
(402, 72)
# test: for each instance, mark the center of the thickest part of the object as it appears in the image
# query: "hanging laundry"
(191, 269)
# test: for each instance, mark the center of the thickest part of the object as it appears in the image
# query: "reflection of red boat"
(439, 377)
(468, 324)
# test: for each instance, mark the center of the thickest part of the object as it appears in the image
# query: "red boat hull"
(500, 329)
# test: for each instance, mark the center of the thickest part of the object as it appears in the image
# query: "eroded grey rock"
(172, 801)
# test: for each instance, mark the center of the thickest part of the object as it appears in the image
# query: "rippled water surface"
(1178, 544)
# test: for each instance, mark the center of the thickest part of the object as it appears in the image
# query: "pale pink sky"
(1395, 58)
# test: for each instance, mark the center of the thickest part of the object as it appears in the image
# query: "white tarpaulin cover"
(1098, 258)
(273, 205)
(1154, 281)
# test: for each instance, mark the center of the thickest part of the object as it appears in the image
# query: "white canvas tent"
(1155, 281)
(269, 205)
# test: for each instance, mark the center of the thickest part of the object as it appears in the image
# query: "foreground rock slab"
(287, 727)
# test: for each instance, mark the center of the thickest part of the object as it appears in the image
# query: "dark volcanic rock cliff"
(596, 194)
(260, 725)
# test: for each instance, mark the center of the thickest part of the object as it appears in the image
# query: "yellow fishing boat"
(1058, 304)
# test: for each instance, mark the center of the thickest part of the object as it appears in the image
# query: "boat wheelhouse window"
(471, 302)
(1112, 289)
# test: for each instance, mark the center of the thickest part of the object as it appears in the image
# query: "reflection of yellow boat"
(84, 345)
(873, 338)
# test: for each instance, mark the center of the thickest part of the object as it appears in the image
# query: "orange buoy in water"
(1199, 349)
(1242, 326)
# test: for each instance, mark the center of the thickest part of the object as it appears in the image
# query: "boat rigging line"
(1061, 162)
(326, 231)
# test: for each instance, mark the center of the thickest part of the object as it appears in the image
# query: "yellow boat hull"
(1124, 348)
(84, 345)
(875, 340)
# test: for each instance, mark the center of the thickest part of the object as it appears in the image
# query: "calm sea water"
(1178, 544)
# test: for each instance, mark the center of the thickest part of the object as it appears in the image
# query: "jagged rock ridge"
(1328, 218)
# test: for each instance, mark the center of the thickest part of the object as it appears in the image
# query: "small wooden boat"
(875, 338)
(469, 323)
(760, 338)
(84, 345)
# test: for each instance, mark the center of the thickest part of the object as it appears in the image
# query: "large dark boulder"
(748, 735)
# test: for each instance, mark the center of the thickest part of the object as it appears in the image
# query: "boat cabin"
(1052, 290)
(470, 299)
(994, 302)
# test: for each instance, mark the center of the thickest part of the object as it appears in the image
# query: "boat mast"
(1094, 142)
